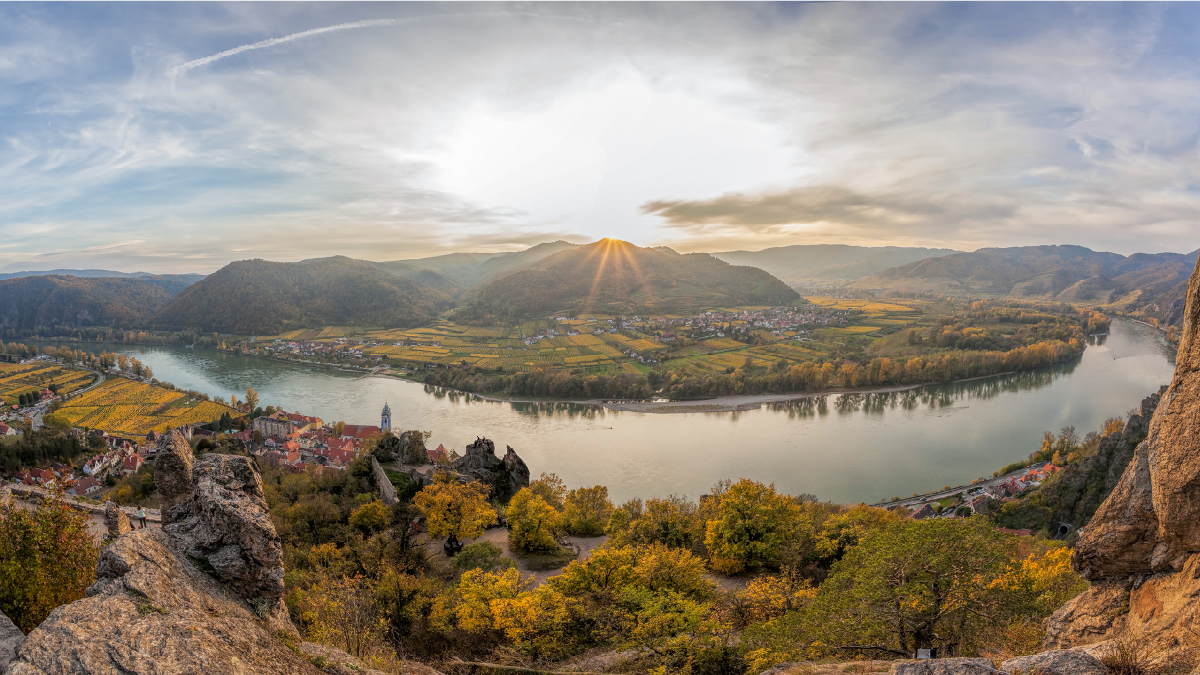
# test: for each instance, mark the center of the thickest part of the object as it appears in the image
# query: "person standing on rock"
(140, 514)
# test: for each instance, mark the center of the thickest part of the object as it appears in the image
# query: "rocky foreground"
(203, 594)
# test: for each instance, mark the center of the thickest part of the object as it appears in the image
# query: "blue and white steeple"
(385, 420)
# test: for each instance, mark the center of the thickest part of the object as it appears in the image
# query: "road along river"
(842, 447)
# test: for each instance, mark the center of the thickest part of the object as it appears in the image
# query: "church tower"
(385, 420)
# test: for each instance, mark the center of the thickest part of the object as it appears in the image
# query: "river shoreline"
(733, 403)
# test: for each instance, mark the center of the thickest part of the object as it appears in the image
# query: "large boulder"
(173, 471)
(115, 520)
(1057, 662)
(225, 524)
(950, 666)
(11, 637)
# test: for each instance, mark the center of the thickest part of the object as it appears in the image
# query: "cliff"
(203, 594)
(1141, 550)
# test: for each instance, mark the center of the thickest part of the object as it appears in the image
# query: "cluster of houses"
(978, 499)
(298, 442)
(777, 320)
(121, 457)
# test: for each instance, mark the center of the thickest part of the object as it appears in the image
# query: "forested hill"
(615, 277)
(28, 303)
(257, 297)
(471, 269)
(827, 263)
(1152, 283)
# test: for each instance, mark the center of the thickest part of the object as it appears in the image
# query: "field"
(505, 348)
(17, 379)
(127, 407)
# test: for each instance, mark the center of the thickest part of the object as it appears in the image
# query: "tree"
(454, 509)
(532, 522)
(587, 510)
(753, 524)
(258, 437)
(337, 428)
(252, 398)
(122, 361)
(914, 585)
(372, 516)
(550, 488)
(47, 559)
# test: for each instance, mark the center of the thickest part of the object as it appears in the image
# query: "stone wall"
(387, 491)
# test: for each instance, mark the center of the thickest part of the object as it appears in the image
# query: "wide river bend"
(841, 447)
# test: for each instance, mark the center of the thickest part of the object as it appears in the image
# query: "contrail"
(368, 23)
(14, 194)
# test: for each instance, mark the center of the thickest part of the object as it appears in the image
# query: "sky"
(179, 137)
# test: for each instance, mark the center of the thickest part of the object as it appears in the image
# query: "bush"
(482, 555)
(47, 559)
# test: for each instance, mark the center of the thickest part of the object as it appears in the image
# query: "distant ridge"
(192, 278)
(615, 277)
(33, 302)
(1152, 283)
(470, 269)
(828, 263)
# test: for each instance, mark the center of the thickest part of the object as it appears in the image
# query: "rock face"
(201, 595)
(115, 519)
(173, 470)
(1140, 548)
(504, 477)
(225, 523)
(407, 448)
(152, 611)
(11, 637)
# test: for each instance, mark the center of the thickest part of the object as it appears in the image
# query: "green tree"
(482, 555)
(915, 585)
(753, 523)
(551, 489)
(532, 522)
(372, 516)
(587, 510)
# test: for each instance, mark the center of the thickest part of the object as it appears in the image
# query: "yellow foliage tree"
(455, 509)
(753, 523)
(478, 589)
(587, 510)
(536, 622)
(532, 522)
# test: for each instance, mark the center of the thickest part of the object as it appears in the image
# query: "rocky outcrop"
(504, 477)
(201, 595)
(407, 448)
(115, 520)
(173, 470)
(1141, 549)
(225, 524)
(11, 637)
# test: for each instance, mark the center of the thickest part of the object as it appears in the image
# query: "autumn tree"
(454, 509)
(252, 399)
(753, 524)
(551, 489)
(587, 510)
(532, 522)
(47, 559)
(372, 516)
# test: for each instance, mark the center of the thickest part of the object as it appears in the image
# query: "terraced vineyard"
(129, 407)
(17, 379)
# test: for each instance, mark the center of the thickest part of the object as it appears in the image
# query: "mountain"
(33, 302)
(615, 277)
(826, 263)
(190, 278)
(259, 297)
(1154, 283)
(471, 269)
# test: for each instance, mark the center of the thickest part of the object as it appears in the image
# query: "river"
(845, 448)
